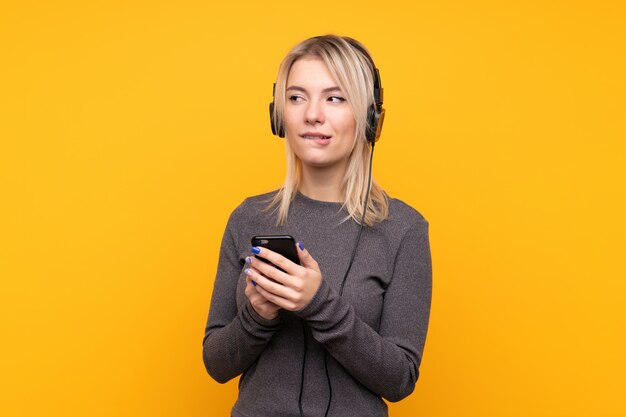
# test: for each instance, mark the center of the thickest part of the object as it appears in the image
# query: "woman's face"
(319, 123)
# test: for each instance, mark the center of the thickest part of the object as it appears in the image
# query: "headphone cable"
(302, 371)
(343, 281)
(358, 236)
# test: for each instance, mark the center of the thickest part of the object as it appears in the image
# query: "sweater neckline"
(308, 200)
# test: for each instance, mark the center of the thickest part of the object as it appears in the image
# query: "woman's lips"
(314, 136)
(318, 138)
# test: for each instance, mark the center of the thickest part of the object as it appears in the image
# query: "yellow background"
(130, 130)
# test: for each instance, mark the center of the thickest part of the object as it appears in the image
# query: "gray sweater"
(374, 333)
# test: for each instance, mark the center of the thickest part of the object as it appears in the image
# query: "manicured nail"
(256, 250)
(301, 245)
(248, 259)
(253, 283)
(246, 271)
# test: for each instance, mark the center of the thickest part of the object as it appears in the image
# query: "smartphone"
(283, 244)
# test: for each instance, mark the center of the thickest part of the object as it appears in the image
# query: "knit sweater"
(374, 332)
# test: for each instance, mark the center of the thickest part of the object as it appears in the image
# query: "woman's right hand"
(263, 308)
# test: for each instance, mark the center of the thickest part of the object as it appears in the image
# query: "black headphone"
(375, 112)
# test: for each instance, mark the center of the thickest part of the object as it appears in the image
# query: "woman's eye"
(295, 98)
(336, 99)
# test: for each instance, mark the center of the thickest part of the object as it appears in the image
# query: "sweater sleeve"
(386, 362)
(235, 335)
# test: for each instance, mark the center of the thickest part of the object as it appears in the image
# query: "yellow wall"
(130, 130)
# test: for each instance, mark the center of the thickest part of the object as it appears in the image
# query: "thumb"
(306, 259)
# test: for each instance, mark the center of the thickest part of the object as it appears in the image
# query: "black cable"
(358, 236)
(330, 387)
(343, 281)
(302, 372)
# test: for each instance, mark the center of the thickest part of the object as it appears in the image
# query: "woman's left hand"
(292, 289)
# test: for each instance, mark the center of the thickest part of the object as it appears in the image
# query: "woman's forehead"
(312, 72)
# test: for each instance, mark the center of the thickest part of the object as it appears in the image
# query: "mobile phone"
(282, 244)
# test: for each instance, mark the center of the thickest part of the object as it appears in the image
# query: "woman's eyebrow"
(326, 90)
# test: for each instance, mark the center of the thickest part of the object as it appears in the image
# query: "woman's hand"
(263, 308)
(292, 289)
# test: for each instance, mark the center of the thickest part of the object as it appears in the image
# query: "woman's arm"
(235, 334)
(386, 362)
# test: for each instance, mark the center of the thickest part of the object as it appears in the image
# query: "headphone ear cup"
(375, 117)
(370, 134)
(276, 130)
(272, 118)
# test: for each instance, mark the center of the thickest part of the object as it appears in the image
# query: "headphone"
(375, 112)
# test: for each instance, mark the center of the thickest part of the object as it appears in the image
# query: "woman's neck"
(322, 184)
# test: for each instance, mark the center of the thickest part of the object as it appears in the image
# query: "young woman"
(346, 327)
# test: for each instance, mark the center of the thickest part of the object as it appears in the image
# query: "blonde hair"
(350, 64)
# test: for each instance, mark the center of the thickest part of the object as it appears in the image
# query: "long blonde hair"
(350, 64)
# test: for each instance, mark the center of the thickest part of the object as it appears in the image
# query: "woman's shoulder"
(400, 211)
(259, 200)
(403, 219)
(251, 206)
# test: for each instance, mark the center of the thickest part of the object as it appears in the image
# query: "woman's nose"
(314, 113)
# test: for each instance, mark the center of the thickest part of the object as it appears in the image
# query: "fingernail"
(301, 245)
(253, 283)
(246, 271)
(256, 250)
(248, 259)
